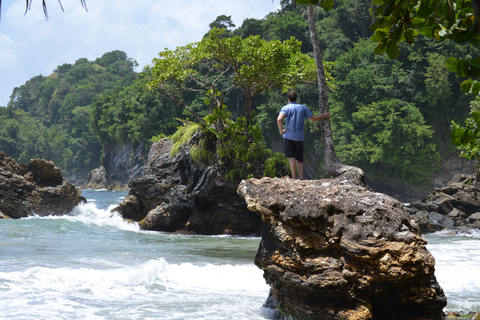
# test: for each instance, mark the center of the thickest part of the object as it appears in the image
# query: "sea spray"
(457, 256)
(91, 264)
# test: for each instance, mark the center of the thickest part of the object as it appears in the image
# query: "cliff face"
(175, 194)
(120, 165)
(34, 188)
(336, 250)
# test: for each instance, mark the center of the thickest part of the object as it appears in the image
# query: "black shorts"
(293, 149)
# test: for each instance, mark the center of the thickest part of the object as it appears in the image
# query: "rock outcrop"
(336, 250)
(34, 188)
(176, 194)
(97, 179)
(120, 165)
(455, 206)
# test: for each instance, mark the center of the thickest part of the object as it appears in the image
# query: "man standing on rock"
(295, 115)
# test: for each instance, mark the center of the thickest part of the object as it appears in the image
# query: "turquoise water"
(93, 265)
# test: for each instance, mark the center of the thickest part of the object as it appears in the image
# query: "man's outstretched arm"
(318, 118)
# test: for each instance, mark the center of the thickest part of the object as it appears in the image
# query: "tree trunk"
(333, 165)
(248, 110)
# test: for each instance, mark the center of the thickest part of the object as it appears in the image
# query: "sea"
(91, 264)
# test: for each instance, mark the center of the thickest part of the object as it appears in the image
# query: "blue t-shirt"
(296, 114)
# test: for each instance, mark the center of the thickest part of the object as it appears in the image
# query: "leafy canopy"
(395, 21)
(216, 65)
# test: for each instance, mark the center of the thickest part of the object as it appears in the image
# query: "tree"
(216, 65)
(403, 20)
(222, 22)
(390, 140)
(333, 165)
(467, 138)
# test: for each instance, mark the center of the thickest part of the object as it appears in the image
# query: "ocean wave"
(154, 289)
(88, 213)
(123, 282)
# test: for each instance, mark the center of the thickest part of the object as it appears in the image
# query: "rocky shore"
(176, 194)
(336, 250)
(455, 206)
(34, 188)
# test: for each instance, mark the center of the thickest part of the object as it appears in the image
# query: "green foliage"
(225, 143)
(236, 149)
(401, 20)
(467, 139)
(274, 164)
(183, 136)
(53, 113)
(133, 114)
(390, 140)
(216, 65)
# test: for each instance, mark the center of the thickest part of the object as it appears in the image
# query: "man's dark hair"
(292, 95)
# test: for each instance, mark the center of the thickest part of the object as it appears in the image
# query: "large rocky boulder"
(34, 188)
(336, 250)
(97, 179)
(455, 206)
(176, 194)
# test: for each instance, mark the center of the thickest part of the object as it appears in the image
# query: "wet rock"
(34, 188)
(176, 194)
(336, 250)
(452, 206)
(97, 179)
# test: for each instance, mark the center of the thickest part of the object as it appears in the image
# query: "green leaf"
(389, 8)
(374, 26)
(327, 5)
(475, 62)
(475, 115)
(380, 50)
(381, 8)
(392, 49)
(462, 67)
(465, 139)
(377, 2)
(451, 64)
(456, 136)
(410, 35)
(378, 36)
(417, 22)
(466, 85)
(476, 88)
(398, 33)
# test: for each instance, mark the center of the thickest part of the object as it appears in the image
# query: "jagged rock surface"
(34, 188)
(97, 179)
(456, 206)
(336, 250)
(175, 194)
(120, 165)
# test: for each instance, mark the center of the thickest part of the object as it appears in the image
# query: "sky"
(30, 45)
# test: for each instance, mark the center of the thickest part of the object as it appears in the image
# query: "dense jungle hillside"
(390, 117)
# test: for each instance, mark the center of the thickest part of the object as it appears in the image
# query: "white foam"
(457, 261)
(153, 287)
(126, 280)
(89, 213)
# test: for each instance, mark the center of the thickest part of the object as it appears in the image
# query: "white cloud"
(30, 45)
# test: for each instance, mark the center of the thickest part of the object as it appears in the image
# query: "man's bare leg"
(293, 167)
(300, 169)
